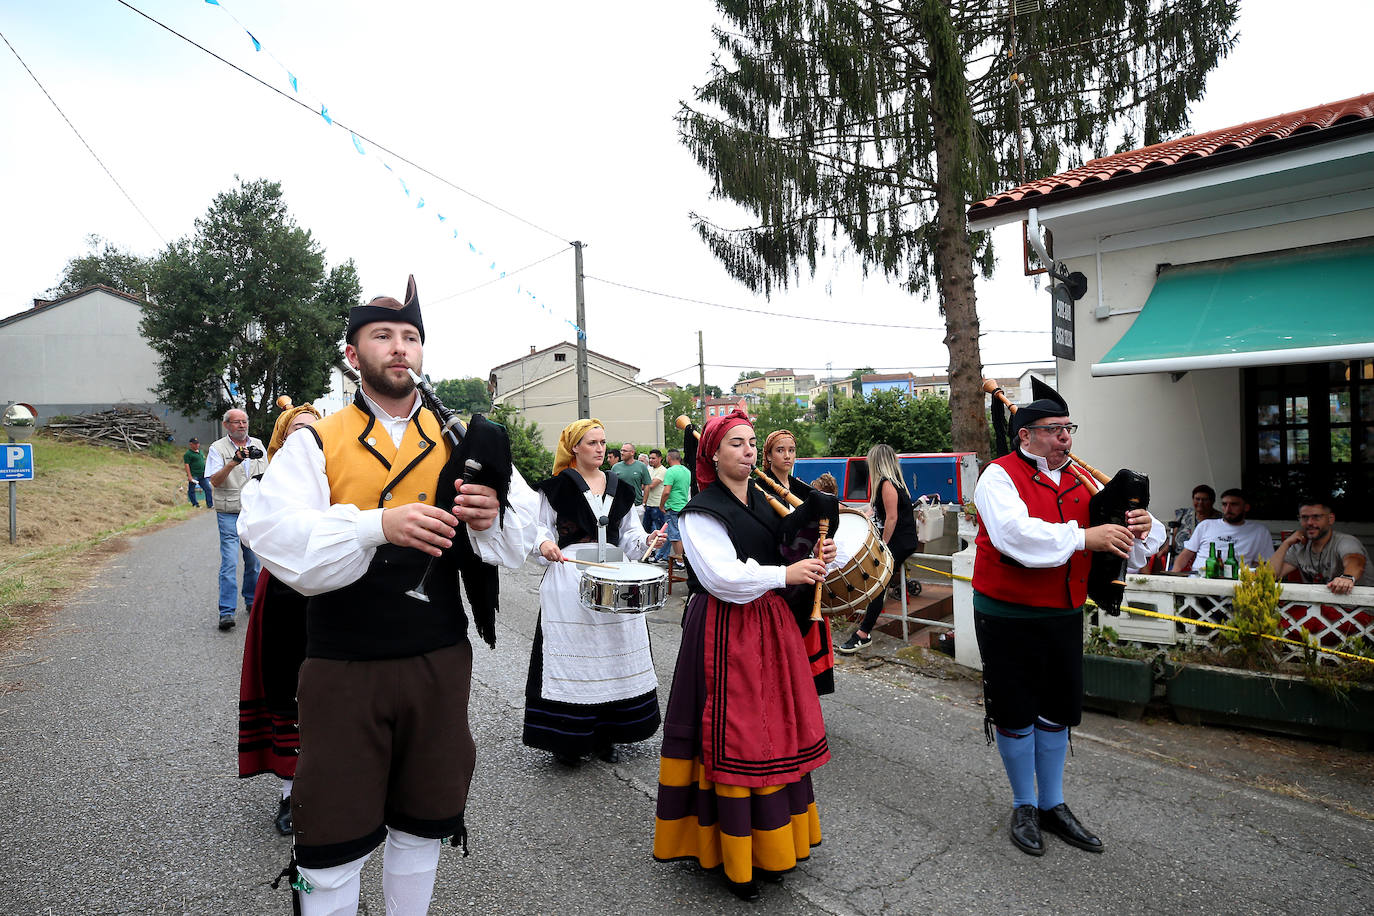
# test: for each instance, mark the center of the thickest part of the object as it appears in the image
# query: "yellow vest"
(365, 468)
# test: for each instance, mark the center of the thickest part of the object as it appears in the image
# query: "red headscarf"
(711, 438)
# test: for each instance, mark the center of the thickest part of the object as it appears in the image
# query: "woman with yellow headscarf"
(591, 681)
(273, 649)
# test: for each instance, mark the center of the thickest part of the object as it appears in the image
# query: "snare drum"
(868, 570)
(628, 588)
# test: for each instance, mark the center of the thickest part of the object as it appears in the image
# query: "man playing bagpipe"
(1030, 581)
(350, 514)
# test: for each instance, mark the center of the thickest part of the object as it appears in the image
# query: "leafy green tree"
(745, 376)
(244, 309)
(105, 265)
(712, 391)
(781, 412)
(680, 402)
(464, 395)
(527, 452)
(869, 127)
(905, 423)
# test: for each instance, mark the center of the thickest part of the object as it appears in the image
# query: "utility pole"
(584, 398)
(701, 376)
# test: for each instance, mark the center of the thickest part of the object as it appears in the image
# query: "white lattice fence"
(1332, 619)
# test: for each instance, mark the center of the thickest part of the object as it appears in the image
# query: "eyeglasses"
(1313, 518)
(1055, 429)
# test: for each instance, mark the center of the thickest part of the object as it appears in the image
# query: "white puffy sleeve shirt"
(712, 555)
(1034, 542)
(315, 547)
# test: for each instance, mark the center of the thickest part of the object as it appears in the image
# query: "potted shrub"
(1243, 684)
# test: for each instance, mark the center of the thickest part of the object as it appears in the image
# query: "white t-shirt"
(1253, 541)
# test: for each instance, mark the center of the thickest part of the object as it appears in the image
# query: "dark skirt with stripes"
(273, 649)
(703, 813)
(580, 729)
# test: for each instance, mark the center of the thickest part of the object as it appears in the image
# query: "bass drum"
(868, 570)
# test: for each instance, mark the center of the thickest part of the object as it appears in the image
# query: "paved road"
(117, 783)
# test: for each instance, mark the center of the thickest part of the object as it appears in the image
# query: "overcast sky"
(559, 113)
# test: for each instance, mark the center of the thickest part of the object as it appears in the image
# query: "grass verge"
(71, 515)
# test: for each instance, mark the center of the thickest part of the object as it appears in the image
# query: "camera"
(248, 453)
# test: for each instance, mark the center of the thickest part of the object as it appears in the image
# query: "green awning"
(1305, 305)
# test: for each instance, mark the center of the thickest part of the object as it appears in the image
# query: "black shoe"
(768, 877)
(748, 891)
(854, 643)
(1060, 821)
(226, 623)
(1025, 830)
(568, 760)
(609, 753)
(283, 820)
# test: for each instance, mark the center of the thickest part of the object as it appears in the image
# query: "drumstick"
(590, 563)
(816, 602)
(652, 546)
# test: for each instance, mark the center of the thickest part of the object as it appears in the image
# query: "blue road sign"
(16, 461)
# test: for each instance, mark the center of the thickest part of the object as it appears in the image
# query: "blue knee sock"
(1018, 756)
(1051, 747)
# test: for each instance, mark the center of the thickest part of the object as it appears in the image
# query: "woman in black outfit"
(893, 514)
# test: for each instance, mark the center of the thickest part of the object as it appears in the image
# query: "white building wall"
(1179, 433)
(84, 351)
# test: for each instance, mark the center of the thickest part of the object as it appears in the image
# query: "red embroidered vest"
(1001, 577)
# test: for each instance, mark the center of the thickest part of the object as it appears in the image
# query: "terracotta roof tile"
(1161, 158)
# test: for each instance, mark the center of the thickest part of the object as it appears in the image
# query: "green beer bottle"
(1213, 567)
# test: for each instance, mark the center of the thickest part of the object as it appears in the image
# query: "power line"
(83, 140)
(337, 123)
(785, 315)
(505, 276)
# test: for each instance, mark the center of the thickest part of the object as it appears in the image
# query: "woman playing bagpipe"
(591, 681)
(779, 457)
(743, 729)
(273, 649)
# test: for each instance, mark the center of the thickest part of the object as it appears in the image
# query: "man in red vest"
(1030, 579)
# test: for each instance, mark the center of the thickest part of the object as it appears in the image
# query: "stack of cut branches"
(119, 427)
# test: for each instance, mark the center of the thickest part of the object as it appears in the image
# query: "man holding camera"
(231, 462)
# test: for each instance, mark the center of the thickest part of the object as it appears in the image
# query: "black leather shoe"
(748, 891)
(568, 760)
(609, 753)
(283, 820)
(1025, 830)
(1060, 821)
(769, 877)
(226, 623)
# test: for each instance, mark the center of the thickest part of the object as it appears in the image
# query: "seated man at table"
(1251, 539)
(1321, 554)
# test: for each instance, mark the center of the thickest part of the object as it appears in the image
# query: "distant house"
(779, 381)
(899, 381)
(542, 385)
(750, 386)
(930, 386)
(662, 384)
(719, 407)
(84, 352)
(833, 387)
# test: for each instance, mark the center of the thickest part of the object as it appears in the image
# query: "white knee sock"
(408, 868)
(286, 788)
(333, 891)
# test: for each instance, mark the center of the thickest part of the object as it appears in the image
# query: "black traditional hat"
(1047, 403)
(385, 308)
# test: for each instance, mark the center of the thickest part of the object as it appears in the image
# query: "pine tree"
(869, 126)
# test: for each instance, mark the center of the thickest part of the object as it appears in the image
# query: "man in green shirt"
(194, 463)
(633, 472)
(677, 489)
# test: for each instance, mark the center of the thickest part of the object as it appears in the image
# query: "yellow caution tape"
(1188, 620)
